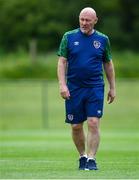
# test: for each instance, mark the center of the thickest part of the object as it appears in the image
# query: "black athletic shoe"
(82, 163)
(91, 165)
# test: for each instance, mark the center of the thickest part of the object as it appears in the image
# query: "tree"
(47, 20)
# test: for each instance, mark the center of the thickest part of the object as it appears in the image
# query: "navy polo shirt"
(85, 55)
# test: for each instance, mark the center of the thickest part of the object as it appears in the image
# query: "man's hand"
(111, 96)
(64, 92)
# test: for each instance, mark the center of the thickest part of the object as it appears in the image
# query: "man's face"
(87, 22)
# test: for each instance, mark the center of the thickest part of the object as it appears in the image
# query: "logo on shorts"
(70, 117)
(99, 111)
(96, 44)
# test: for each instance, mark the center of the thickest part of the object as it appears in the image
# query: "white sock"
(85, 155)
(90, 158)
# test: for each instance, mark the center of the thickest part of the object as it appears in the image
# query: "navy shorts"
(83, 103)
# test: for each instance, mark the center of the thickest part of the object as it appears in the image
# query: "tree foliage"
(47, 20)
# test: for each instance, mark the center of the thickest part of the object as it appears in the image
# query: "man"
(83, 53)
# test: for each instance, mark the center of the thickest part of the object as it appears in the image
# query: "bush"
(126, 64)
(19, 65)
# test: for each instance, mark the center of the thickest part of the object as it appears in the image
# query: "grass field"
(28, 150)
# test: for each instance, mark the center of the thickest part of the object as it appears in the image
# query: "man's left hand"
(111, 96)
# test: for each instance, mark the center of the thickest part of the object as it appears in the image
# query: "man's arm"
(61, 72)
(110, 74)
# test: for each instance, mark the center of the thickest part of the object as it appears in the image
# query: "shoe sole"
(86, 169)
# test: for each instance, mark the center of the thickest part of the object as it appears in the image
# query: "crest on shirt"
(96, 44)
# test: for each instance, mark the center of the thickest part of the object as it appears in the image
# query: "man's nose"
(84, 22)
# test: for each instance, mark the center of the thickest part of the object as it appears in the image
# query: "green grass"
(51, 154)
(27, 150)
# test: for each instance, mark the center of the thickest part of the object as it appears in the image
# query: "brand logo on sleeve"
(96, 44)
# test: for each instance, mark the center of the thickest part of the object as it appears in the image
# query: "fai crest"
(96, 44)
(70, 117)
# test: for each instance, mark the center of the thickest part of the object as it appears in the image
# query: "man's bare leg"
(93, 136)
(78, 138)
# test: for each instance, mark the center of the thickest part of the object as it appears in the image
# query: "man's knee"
(93, 124)
(77, 127)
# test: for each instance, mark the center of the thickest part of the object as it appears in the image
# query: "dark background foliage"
(46, 21)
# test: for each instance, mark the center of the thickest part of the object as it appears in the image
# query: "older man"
(82, 54)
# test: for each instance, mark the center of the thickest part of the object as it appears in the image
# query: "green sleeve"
(63, 47)
(107, 54)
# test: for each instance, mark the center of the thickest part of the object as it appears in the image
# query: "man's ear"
(96, 20)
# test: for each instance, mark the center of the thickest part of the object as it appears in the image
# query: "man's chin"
(84, 31)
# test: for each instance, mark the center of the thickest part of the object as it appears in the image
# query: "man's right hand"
(64, 92)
